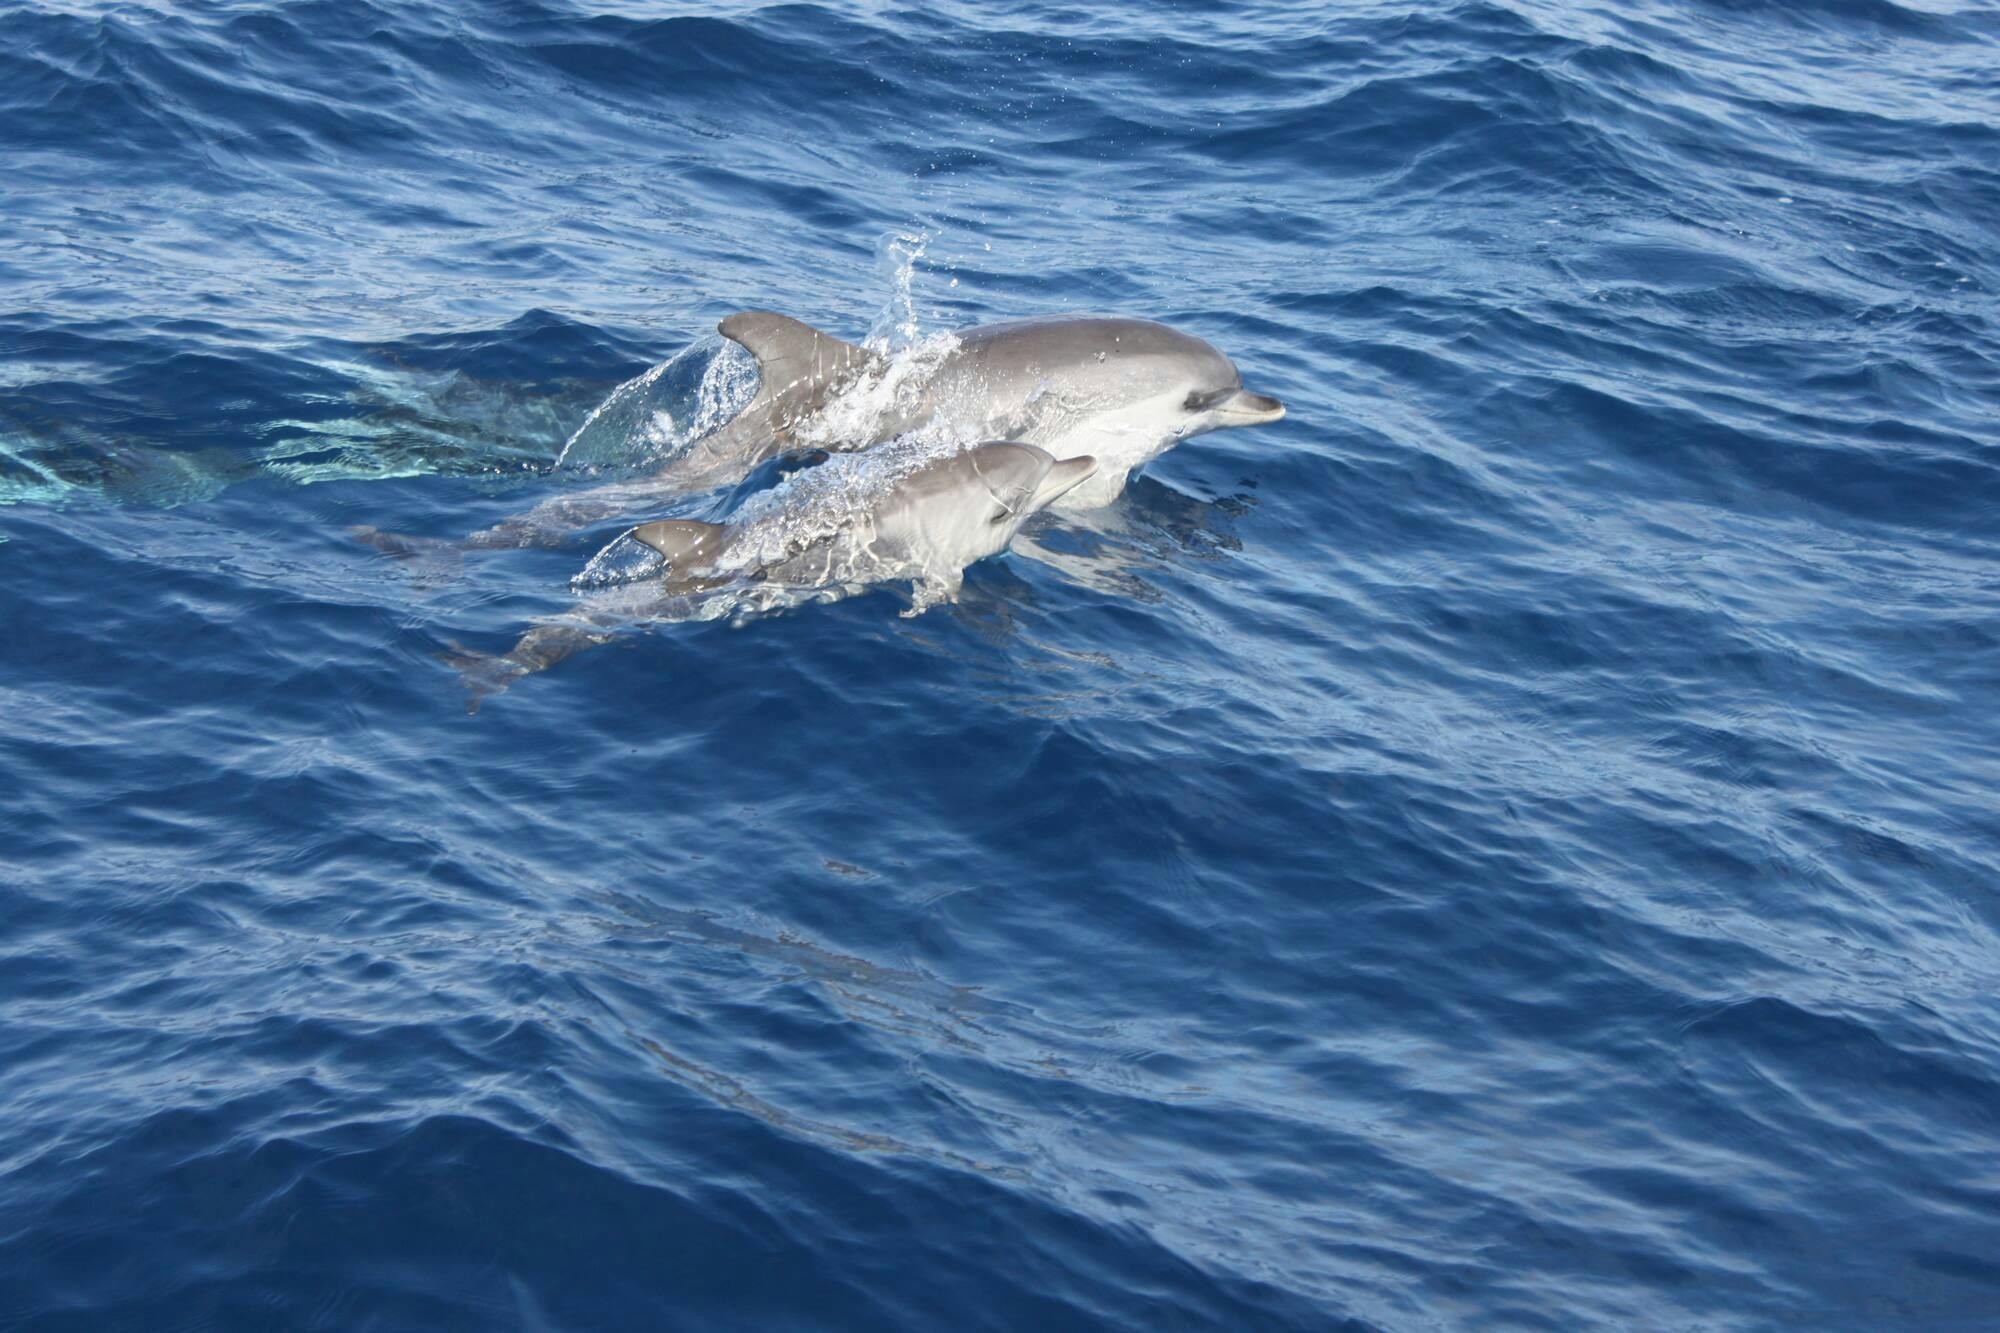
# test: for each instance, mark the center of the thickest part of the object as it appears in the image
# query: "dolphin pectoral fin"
(799, 367)
(683, 541)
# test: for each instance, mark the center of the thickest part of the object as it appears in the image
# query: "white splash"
(653, 417)
(40, 486)
(817, 502)
(897, 393)
(635, 423)
(897, 325)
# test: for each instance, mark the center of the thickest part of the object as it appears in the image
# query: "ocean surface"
(1514, 845)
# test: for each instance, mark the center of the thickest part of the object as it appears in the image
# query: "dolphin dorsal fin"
(798, 366)
(682, 541)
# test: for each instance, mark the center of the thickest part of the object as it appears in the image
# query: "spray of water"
(653, 418)
(897, 326)
(25, 480)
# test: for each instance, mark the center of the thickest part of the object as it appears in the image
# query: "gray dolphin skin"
(823, 533)
(1120, 390)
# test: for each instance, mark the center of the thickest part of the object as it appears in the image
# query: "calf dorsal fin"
(684, 542)
(798, 366)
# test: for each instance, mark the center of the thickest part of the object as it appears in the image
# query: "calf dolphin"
(904, 512)
(1120, 390)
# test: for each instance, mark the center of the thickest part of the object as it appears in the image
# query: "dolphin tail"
(483, 674)
(428, 559)
(397, 544)
(487, 674)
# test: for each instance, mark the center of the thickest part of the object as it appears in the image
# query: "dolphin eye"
(1196, 401)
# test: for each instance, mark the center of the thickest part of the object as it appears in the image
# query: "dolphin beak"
(1244, 408)
(1065, 476)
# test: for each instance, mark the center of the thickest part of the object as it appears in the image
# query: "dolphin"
(905, 511)
(1120, 390)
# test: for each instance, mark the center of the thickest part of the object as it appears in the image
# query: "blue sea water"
(1512, 846)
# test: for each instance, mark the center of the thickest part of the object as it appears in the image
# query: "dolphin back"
(1110, 346)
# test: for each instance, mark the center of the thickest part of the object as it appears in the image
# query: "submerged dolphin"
(1120, 390)
(823, 534)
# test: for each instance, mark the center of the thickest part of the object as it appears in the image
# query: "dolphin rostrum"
(1120, 390)
(903, 512)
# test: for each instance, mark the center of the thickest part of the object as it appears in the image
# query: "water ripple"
(1509, 846)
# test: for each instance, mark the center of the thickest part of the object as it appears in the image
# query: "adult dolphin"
(906, 512)
(1121, 390)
